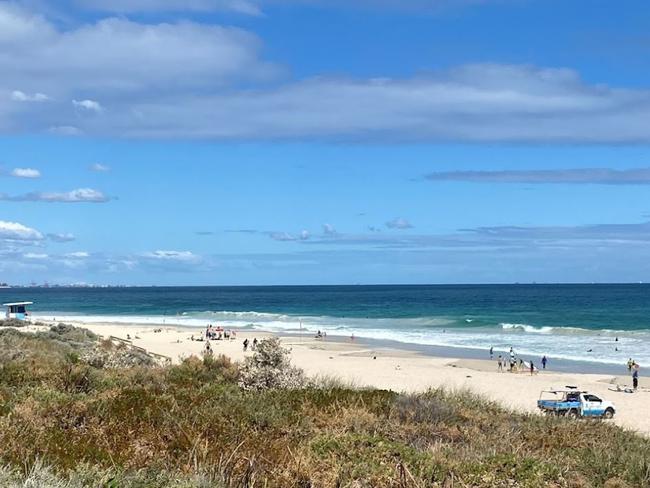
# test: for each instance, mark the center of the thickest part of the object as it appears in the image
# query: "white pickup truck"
(572, 402)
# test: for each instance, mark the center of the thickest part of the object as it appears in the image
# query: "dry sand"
(398, 370)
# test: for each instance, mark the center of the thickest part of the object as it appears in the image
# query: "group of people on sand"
(513, 364)
(253, 344)
(217, 334)
(207, 350)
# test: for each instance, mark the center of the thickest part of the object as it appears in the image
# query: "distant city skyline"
(265, 142)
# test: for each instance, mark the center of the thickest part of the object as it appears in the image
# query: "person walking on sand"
(635, 377)
(491, 352)
(532, 368)
(500, 364)
(544, 361)
(245, 344)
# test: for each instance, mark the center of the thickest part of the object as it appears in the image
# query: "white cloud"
(25, 173)
(18, 232)
(329, 230)
(191, 80)
(17, 26)
(254, 7)
(99, 168)
(19, 96)
(61, 237)
(399, 223)
(173, 256)
(126, 6)
(80, 195)
(36, 256)
(287, 237)
(478, 103)
(90, 105)
(116, 56)
(78, 255)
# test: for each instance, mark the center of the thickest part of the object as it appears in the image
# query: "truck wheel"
(609, 414)
(572, 414)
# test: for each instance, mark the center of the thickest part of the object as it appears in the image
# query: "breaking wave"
(575, 343)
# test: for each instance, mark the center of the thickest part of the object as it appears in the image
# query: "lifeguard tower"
(17, 310)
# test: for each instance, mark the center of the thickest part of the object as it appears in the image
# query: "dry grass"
(67, 423)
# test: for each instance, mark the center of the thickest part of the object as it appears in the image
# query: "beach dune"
(399, 370)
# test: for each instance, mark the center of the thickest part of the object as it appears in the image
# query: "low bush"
(270, 368)
(67, 423)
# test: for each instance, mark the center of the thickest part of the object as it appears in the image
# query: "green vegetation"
(69, 420)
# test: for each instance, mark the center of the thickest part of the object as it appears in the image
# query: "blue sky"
(294, 142)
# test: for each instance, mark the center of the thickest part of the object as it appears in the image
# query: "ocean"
(594, 323)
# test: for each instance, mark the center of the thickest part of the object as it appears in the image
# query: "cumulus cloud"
(99, 168)
(18, 232)
(191, 80)
(89, 105)
(25, 173)
(81, 195)
(604, 176)
(156, 89)
(399, 223)
(61, 237)
(116, 57)
(20, 96)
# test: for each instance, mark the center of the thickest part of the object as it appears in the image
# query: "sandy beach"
(395, 369)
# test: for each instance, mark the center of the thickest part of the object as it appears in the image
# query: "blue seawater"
(600, 323)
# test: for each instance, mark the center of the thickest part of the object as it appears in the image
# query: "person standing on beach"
(629, 365)
(635, 377)
(500, 364)
(491, 352)
(544, 361)
(532, 368)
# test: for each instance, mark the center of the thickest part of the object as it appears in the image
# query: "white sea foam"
(571, 343)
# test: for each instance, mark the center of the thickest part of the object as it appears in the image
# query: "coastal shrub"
(270, 367)
(108, 355)
(65, 423)
(13, 323)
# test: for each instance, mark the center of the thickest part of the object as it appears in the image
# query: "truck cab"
(572, 402)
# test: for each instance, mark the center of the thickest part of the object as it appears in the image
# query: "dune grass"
(66, 421)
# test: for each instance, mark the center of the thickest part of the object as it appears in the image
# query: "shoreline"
(556, 364)
(363, 363)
